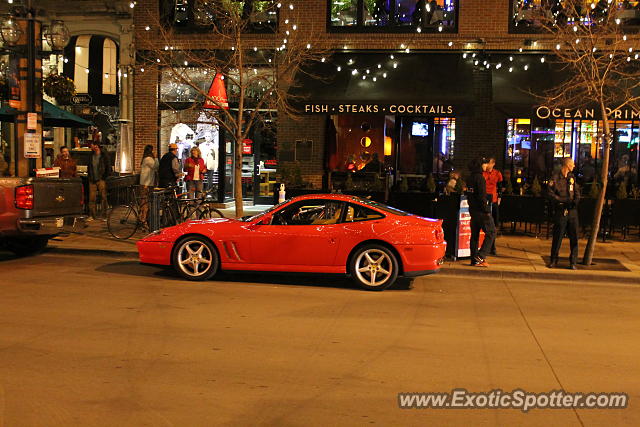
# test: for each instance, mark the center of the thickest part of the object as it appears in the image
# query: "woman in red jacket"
(195, 169)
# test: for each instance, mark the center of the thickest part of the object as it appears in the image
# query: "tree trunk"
(604, 174)
(237, 176)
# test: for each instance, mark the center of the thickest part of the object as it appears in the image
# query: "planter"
(422, 204)
(625, 213)
(529, 209)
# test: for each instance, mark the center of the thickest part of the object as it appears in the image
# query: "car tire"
(26, 246)
(195, 258)
(374, 267)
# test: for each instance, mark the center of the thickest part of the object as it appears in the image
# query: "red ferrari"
(321, 233)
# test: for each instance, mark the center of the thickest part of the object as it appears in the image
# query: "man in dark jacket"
(169, 170)
(98, 171)
(564, 193)
(480, 210)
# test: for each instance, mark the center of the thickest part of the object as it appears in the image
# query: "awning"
(53, 116)
(7, 114)
(517, 93)
(382, 83)
(57, 117)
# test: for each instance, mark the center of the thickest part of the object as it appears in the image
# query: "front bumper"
(154, 252)
(51, 225)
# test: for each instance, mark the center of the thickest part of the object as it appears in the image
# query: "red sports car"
(321, 233)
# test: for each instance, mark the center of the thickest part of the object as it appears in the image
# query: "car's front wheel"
(195, 258)
(374, 267)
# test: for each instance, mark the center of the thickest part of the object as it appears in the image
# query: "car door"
(302, 233)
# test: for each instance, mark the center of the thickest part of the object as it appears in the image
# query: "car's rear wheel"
(374, 267)
(195, 258)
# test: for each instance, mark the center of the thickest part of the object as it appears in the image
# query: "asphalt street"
(89, 339)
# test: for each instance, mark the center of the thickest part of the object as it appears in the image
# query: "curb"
(519, 275)
(90, 252)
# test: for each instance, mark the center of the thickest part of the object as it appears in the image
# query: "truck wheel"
(25, 246)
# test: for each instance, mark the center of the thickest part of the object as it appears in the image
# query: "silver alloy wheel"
(373, 267)
(194, 258)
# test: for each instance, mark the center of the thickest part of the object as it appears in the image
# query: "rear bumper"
(51, 225)
(419, 260)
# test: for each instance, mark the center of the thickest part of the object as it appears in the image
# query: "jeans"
(481, 221)
(568, 223)
(194, 187)
(95, 188)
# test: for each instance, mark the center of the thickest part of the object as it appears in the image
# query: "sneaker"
(482, 263)
(553, 263)
(573, 267)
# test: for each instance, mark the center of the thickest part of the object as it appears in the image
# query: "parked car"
(32, 210)
(318, 233)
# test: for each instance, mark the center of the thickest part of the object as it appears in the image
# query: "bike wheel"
(122, 221)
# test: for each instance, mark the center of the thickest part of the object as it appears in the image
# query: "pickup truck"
(32, 210)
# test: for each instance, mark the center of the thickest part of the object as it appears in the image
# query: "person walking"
(169, 168)
(493, 178)
(480, 210)
(98, 171)
(68, 167)
(148, 172)
(564, 193)
(195, 168)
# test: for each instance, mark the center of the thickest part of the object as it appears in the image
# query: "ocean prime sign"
(544, 112)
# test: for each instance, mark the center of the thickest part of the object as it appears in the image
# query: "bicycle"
(124, 220)
(199, 207)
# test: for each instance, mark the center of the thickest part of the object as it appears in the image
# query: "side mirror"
(265, 221)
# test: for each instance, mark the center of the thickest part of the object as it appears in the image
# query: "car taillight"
(24, 197)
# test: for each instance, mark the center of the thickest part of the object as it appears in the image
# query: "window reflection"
(434, 15)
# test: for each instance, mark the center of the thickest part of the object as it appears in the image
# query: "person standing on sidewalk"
(480, 210)
(169, 169)
(98, 171)
(67, 165)
(196, 169)
(148, 173)
(564, 193)
(493, 177)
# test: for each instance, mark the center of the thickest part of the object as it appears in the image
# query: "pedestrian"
(564, 193)
(68, 167)
(195, 169)
(450, 188)
(480, 210)
(493, 178)
(169, 168)
(148, 179)
(98, 171)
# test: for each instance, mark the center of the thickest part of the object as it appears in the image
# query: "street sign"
(32, 121)
(32, 145)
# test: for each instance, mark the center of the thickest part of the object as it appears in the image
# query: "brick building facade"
(484, 30)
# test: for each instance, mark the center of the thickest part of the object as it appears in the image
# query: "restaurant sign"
(373, 108)
(544, 112)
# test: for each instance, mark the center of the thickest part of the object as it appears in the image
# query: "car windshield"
(382, 207)
(250, 218)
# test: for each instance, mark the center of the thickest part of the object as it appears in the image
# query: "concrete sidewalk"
(519, 256)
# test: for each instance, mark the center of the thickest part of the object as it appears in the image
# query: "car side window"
(356, 213)
(310, 212)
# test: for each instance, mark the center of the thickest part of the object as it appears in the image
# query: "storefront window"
(201, 15)
(434, 15)
(536, 150)
(525, 14)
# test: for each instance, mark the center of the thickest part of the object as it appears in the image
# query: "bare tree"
(258, 69)
(601, 71)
